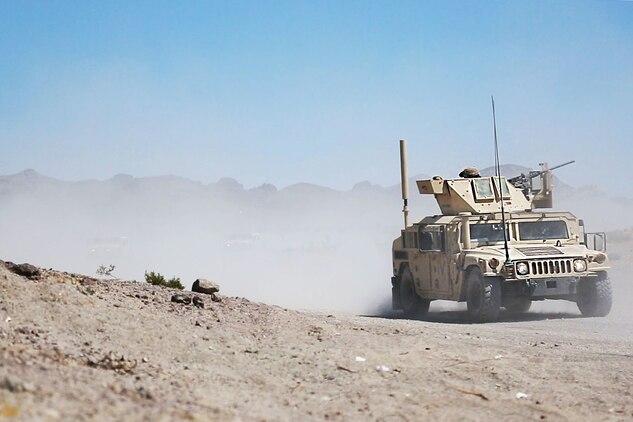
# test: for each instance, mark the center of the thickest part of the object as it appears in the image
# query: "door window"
(487, 232)
(431, 238)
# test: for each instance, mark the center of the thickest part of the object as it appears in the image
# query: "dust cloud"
(302, 247)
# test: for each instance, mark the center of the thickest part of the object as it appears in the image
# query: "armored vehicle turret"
(494, 246)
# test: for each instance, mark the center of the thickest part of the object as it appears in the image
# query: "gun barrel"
(538, 173)
(563, 165)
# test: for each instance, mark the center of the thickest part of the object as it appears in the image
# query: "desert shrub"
(158, 279)
(106, 271)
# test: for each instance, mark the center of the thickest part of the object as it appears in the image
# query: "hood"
(535, 251)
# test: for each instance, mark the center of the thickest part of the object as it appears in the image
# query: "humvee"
(494, 247)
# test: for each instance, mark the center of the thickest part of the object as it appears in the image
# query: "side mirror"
(597, 241)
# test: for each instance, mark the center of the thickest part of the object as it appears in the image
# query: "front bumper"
(553, 288)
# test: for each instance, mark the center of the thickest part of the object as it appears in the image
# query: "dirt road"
(72, 348)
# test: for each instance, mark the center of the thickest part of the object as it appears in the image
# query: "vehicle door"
(430, 262)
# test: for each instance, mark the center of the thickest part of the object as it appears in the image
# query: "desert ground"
(77, 348)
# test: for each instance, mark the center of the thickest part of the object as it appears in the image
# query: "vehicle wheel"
(483, 296)
(518, 306)
(594, 296)
(412, 304)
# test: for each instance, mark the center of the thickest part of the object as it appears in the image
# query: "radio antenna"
(404, 181)
(498, 174)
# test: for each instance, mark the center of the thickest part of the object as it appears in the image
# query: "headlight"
(522, 268)
(580, 265)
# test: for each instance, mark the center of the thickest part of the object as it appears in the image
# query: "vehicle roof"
(528, 215)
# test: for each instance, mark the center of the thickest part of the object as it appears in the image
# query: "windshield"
(541, 230)
(489, 232)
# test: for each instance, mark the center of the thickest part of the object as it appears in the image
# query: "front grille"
(551, 266)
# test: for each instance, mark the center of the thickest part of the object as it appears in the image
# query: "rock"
(198, 302)
(205, 286)
(88, 281)
(16, 385)
(25, 270)
(114, 362)
(178, 298)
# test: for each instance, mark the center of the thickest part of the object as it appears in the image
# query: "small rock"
(25, 270)
(88, 281)
(52, 414)
(178, 298)
(145, 393)
(15, 385)
(360, 359)
(520, 395)
(208, 287)
(382, 368)
(198, 302)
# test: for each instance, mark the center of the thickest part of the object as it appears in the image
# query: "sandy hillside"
(76, 348)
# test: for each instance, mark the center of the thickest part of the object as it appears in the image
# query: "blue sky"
(320, 91)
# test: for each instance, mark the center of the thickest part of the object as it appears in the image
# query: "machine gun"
(524, 182)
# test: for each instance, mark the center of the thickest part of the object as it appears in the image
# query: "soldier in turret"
(470, 173)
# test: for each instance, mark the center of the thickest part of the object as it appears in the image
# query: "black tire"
(518, 306)
(412, 304)
(483, 296)
(594, 296)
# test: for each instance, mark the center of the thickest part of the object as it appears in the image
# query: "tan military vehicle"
(493, 247)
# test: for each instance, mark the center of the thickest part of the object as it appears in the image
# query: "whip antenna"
(498, 174)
